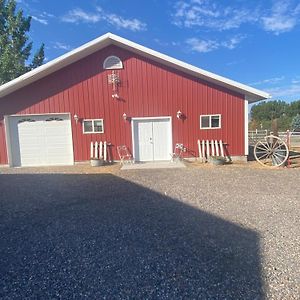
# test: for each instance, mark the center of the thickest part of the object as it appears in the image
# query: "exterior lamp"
(76, 118)
(124, 117)
(179, 115)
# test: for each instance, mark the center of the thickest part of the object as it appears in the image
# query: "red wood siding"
(147, 89)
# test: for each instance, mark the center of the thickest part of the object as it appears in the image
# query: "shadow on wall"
(101, 236)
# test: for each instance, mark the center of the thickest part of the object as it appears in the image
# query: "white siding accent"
(246, 127)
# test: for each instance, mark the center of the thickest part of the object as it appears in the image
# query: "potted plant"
(97, 162)
(217, 160)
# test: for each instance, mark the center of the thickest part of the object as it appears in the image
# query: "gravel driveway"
(194, 233)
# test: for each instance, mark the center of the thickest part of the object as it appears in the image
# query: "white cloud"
(40, 20)
(296, 80)
(287, 91)
(201, 45)
(165, 43)
(46, 14)
(61, 46)
(119, 22)
(209, 14)
(272, 80)
(204, 46)
(78, 15)
(283, 17)
(233, 42)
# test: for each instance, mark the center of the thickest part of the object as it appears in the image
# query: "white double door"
(152, 139)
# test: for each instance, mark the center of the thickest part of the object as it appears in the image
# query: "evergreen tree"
(38, 58)
(296, 123)
(15, 47)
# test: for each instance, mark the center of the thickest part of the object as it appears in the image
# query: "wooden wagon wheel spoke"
(278, 147)
(273, 146)
(277, 159)
(265, 155)
(258, 152)
(273, 152)
(261, 144)
(279, 154)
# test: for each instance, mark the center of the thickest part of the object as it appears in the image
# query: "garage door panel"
(41, 140)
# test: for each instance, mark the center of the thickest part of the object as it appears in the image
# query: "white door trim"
(8, 140)
(150, 118)
(8, 133)
(44, 114)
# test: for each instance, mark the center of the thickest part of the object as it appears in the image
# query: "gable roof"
(251, 94)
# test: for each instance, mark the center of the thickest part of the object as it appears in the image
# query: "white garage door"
(40, 140)
(152, 139)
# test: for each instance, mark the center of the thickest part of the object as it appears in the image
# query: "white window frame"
(112, 68)
(210, 116)
(93, 125)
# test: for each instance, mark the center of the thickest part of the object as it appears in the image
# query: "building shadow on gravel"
(100, 236)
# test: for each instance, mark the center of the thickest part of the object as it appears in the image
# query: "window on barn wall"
(93, 126)
(210, 121)
(112, 63)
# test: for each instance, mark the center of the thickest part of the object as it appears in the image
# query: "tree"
(38, 58)
(273, 113)
(296, 122)
(268, 110)
(15, 47)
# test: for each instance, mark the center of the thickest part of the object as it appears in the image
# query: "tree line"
(275, 115)
(15, 47)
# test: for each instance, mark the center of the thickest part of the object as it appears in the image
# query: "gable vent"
(112, 63)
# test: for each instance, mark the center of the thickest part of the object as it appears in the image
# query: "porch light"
(179, 115)
(125, 117)
(76, 118)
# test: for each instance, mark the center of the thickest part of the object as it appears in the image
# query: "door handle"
(150, 140)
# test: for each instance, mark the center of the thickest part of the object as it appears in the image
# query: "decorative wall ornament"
(115, 81)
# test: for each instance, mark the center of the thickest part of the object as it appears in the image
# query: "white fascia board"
(253, 94)
(54, 65)
(246, 120)
(109, 38)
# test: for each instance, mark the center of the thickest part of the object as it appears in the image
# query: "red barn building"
(114, 90)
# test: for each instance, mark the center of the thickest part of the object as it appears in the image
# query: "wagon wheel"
(273, 152)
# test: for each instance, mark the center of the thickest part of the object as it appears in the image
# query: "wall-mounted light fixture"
(124, 117)
(179, 115)
(76, 118)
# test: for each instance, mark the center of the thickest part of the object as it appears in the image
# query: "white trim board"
(112, 39)
(246, 120)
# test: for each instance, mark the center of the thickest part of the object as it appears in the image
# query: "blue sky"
(253, 42)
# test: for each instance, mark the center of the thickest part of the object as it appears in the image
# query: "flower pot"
(217, 161)
(95, 162)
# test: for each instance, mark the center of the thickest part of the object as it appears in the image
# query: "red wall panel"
(147, 89)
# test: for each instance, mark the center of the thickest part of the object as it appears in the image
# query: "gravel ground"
(229, 232)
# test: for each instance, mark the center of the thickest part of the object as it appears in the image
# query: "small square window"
(93, 126)
(215, 121)
(204, 121)
(88, 126)
(98, 126)
(210, 121)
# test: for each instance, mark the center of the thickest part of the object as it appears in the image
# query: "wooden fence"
(258, 135)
